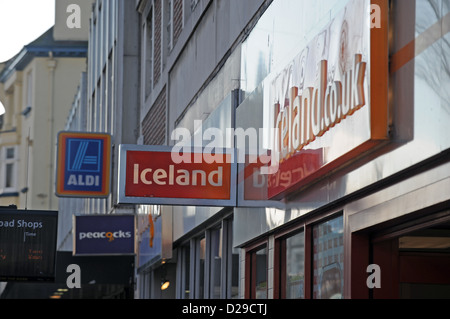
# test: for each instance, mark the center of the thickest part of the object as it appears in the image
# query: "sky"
(21, 22)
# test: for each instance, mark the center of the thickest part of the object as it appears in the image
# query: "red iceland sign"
(149, 175)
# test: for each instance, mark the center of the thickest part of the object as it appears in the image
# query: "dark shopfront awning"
(102, 277)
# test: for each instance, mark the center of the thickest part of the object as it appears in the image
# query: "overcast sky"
(21, 22)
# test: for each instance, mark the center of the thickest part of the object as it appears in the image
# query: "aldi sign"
(84, 165)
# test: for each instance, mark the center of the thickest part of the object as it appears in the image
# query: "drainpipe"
(51, 64)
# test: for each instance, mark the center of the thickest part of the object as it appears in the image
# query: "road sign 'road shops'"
(83, 165)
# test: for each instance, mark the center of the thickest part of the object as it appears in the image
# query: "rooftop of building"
(43, 46)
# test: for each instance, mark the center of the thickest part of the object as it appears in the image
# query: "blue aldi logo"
(84, 161)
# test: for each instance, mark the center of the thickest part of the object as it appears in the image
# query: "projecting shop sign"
(329, 104)
(27, 245)
(150, 175)
(104, 235)
(84, 165)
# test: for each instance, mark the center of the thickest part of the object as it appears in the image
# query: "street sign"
(84, 165)
(27, 245)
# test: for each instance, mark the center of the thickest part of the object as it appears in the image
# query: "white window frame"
(169, 26)
(193, 273)
(4, 162)
(148, 57)
(29, 97)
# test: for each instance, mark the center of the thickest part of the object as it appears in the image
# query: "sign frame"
(379, 112)
(75, 232)
(105, 180)
(37, 254)
(124, 199)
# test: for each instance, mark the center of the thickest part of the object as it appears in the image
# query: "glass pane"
(424, 291)
(232, 262)
(148, 285)
(235, 273)
(329, 259)
(261, 274)
(295, 266)
(216, 262)
(10, 153)
(201, 268)
(187, 271)
(9, 176)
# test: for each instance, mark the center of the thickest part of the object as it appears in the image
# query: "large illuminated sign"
(27, 245)
(330, 103)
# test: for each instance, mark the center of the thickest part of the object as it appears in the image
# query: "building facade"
(190, 64)
(37, 88)
(106, 102)
(351, 99)
(371, 195)
(382, 208)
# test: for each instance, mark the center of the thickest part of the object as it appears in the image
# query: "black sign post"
(27, 245)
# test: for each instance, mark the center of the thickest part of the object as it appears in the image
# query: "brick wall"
(157, 53)
(154, 124)
(177, 19)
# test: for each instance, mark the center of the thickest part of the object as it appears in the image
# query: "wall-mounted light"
(2, 109)
(26, 111)
(165, 284)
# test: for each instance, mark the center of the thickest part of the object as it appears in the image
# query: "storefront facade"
(351, 98)
(387, 205)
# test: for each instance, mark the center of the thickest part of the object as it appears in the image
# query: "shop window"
(222, 262)
(186, 265)
(208, 266)
(291, 274)
(216, 263)
(200, 268)
(328, 259)
(295, 266)
(234, 270)
(145, 283)
(257, 271)
(230, 275)
(185, 269)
